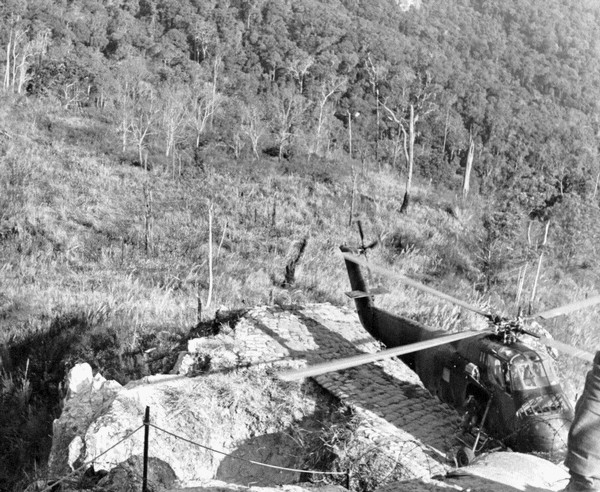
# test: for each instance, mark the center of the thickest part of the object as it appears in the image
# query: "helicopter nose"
(546, 434)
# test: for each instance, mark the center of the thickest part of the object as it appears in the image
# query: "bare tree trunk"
(539, 268)
(210, 255)
(148, 221)
(349, 133)
(469, 166)
(353, 196)
(294, 260)
(8, 51)
(143, 162)
(216, 66)
(445, 132)
(274, 212)
(520, 283)
(596, 186)
(378, 128)
(411, 159)
(222, 239)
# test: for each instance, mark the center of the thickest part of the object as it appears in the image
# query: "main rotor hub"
(507, 328)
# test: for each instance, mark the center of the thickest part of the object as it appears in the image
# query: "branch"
(393, 115)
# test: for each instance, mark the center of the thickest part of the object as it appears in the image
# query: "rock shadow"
(284, 453)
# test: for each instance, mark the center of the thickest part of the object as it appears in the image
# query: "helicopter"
(506, 387)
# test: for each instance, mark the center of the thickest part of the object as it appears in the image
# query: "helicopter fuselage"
(526, 406)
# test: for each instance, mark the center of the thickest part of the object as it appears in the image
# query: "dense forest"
(517, 82)
(155, 153)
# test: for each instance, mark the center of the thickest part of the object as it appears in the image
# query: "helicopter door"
(502, 411)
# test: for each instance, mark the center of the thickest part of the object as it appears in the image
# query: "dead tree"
(295, 257)
(420, 106)
(468, 166)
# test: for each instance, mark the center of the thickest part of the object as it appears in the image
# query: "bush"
(25, 424)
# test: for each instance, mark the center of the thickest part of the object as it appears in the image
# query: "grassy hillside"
(79, 282)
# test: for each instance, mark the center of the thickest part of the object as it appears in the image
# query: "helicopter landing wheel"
(464, 456)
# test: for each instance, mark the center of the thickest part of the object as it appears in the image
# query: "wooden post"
(146, 434)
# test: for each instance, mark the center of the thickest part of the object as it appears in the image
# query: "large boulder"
(87, 396)
(493, 472)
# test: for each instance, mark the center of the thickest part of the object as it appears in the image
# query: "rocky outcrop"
(223, 394)
(223, 407)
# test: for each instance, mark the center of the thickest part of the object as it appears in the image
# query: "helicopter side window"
(551, 373)
(495, 371)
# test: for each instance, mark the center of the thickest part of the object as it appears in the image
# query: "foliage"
(23, 426)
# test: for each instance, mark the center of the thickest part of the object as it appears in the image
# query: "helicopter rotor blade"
(568, 349)
(357, 360)
(413, 283)
(567, 308)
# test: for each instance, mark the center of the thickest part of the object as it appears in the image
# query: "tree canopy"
(520, 79)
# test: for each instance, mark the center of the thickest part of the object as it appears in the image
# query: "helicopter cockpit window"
(530, 371)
